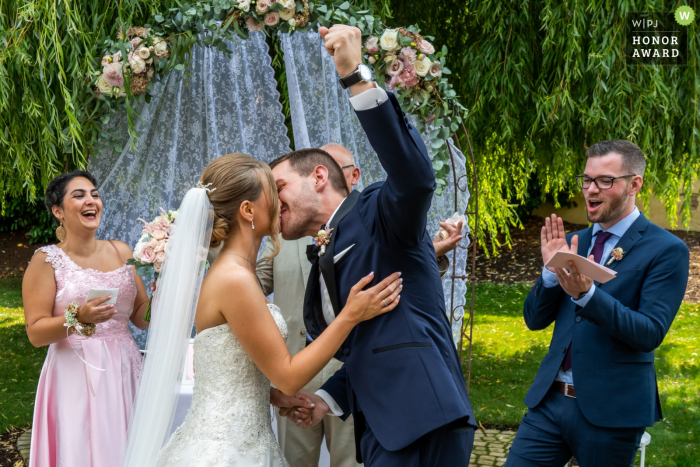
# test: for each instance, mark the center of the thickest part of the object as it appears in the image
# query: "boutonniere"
(616, 254)
(323, 238)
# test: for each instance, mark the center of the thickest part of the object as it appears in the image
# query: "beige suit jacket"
(286, 275)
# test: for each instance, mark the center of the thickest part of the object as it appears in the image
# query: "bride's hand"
(366, 304)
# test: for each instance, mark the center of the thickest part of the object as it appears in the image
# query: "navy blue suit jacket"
(614, 336)
(402, 372)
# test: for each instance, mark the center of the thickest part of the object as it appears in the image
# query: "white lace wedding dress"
(228, 423)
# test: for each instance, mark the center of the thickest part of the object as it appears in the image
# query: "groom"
(402, 379)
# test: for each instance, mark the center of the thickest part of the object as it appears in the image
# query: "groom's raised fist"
(344, 43)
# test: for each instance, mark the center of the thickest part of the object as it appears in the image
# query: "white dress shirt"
(366, 100)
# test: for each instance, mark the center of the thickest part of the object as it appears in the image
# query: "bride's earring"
(61, 233)
(252, 224)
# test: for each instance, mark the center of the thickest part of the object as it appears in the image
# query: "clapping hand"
(553, 239)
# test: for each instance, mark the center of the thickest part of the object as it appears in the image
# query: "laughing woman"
(92, 369)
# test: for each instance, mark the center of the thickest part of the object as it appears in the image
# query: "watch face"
(365, 72)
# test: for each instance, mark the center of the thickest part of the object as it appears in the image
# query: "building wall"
(657, 213)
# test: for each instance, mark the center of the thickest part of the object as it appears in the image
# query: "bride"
(240, 344)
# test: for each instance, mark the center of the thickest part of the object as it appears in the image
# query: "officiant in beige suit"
(286, 275)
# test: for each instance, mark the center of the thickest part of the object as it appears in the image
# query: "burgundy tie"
(597, 252)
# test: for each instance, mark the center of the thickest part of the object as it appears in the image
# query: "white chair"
(646, 439)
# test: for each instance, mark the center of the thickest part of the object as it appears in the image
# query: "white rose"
(160, 48)
(422, 66)
(138, 65)
(287, 14)
(103, 85)
(138, 249)
(390, 40)
(244, 5)
(371, 60)
(292, 22)
(289, 4)
(143, 52)
(261, 6)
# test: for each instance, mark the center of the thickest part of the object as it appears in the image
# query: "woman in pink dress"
(88, 383)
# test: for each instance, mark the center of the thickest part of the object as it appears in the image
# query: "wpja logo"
(658, 38)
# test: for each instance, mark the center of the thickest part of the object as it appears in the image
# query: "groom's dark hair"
(304, 161)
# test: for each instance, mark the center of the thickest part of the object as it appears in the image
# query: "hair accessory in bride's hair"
(205, 187)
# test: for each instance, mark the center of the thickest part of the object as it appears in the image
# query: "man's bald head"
(344, 157)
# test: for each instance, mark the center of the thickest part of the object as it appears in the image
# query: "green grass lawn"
(20, 361)
(506, 356)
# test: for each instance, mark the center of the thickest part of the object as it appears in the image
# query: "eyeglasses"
(603, 183)
(347, 166)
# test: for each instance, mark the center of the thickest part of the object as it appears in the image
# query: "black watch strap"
(351, 79)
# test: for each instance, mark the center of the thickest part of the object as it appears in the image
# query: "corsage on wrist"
(71, 314)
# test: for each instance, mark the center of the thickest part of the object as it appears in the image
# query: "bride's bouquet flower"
(149, 251)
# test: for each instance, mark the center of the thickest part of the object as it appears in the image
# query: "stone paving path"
(23, 443)
(491, 447)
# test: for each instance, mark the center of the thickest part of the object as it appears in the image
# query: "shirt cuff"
(369, 99)
(582, 302)
(332, 404)
(549, 279)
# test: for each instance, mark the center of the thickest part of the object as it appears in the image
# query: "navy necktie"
(597, 252)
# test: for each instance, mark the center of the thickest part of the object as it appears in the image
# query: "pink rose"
(160, 257)
(159, 234)
(117, 57)
(435, 69)
(372, 44)
(426, 47)
(157, 266)
(152, 243)
(106, 60)
(160, 246)
(409, 54)
(113, 74)
(253, 25)
(148, 255)
(408, 77)
(135, 42)
(394, 68)
(272, 19)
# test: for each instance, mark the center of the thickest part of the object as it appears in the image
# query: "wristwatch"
(361, 74)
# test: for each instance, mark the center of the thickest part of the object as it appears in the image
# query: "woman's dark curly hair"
(56, 189)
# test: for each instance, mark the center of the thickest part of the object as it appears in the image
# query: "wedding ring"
(384, 302)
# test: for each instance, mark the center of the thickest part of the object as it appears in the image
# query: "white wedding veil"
(172, 316)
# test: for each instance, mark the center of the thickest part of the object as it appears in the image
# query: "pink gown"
(81, 414)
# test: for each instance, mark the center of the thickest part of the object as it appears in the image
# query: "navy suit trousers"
(556, 429)
(448, 446)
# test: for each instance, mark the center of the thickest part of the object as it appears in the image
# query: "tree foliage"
(543, 80)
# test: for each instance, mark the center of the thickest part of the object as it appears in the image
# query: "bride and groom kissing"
(374, 300)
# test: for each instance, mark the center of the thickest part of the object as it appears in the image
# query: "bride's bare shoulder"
(231, 280)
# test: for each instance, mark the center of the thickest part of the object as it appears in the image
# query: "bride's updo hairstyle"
(237, 178)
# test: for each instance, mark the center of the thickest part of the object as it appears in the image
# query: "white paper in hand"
(97, 293)
(585, 266)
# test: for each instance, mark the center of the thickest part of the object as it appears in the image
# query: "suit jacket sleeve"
(663, 289)
(336, 386)
(404, 198)
(541, 305)
(263, 269)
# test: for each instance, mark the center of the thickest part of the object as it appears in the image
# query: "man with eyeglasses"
(595, 391)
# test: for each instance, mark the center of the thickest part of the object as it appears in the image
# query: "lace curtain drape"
(321, 113)
(225, 105)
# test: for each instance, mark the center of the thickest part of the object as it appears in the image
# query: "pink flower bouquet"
(149, 251)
